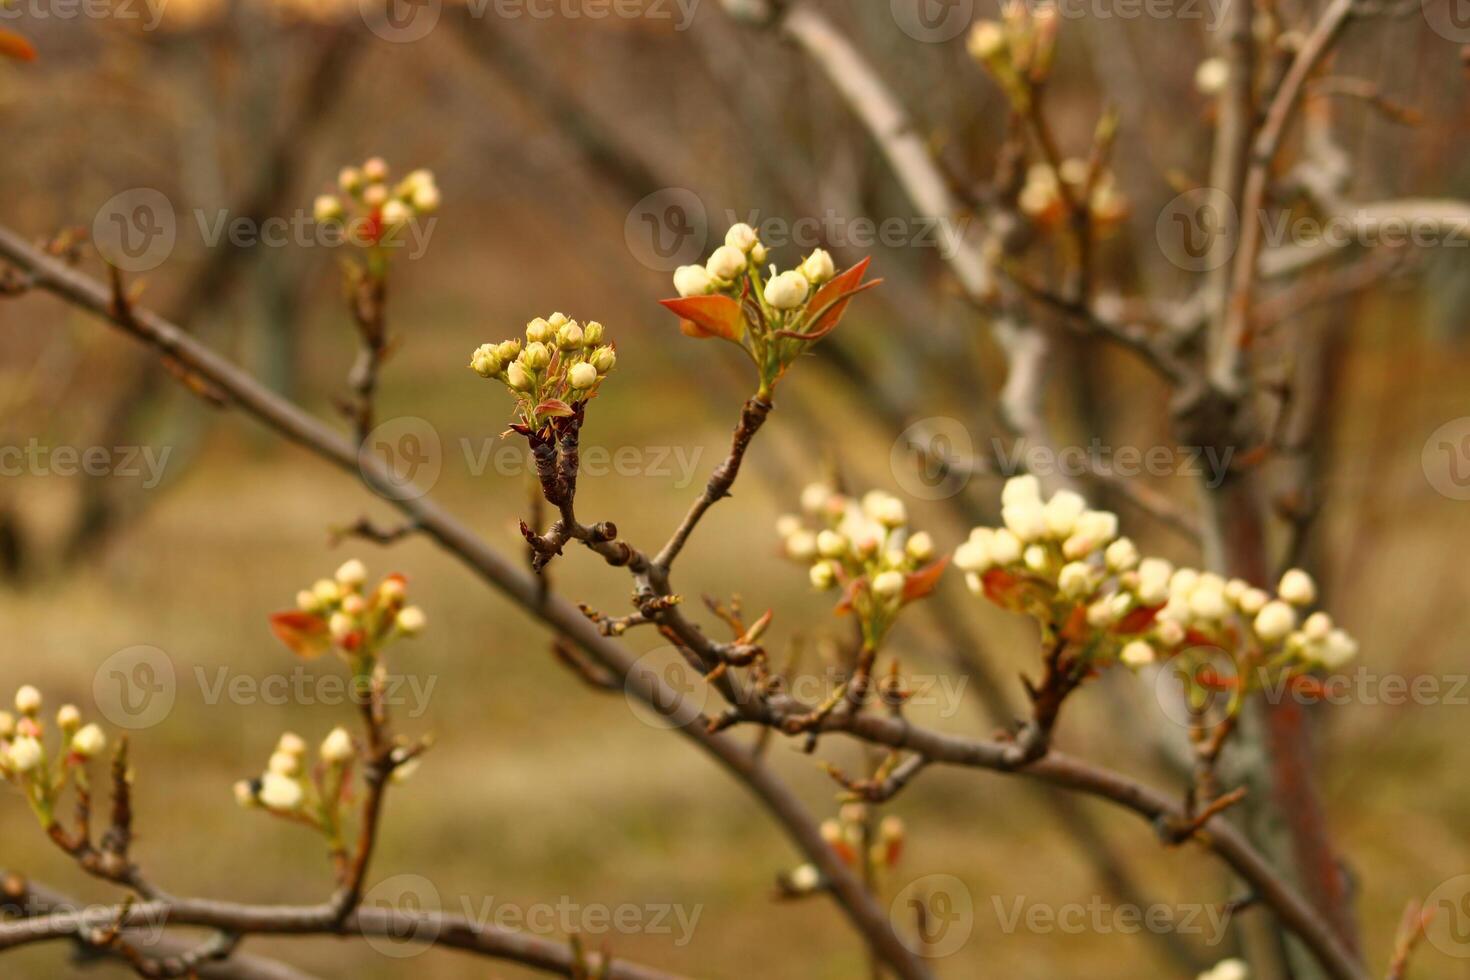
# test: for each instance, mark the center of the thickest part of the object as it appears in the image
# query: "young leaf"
(831, 300)
(555, 407)
(708, 316)
(12, 45)
(303, 634)
(916, 585)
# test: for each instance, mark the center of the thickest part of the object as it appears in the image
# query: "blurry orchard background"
(560, 143)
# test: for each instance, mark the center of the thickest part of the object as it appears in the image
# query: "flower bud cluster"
(342, 614)
(847, 832)
(865, 548)
(1065, 564)
(774, 315)
(560, 363)
(1041, 197)
(290, 786)
(1019, 49)
(40, 774)
(373, 207)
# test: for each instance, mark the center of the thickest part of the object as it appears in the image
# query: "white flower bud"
(7, 724)
(1062, 511)
(24, 754)
(1274, 621)
(889, 584)
(411, 620)
(1337, 649)
(1021, 490)
(1095, 529)
(787, 291)
(291, 743)
(375, 169)
(341, 625)
(582, 376)
(802, 545)
(831, 544)
(569, 337)
(987, 39)
(1231, 969)
(375, 195)
(1211, 75)
(693, 280)
(1170, 633)
(726, 263)
(974, 583)
(805, 878)
(974, 555)
(1235, 588)
(538, 331)
(425, 197)
(1253, 601)
(536, 356)
(280, 792)
(818, 267)
(1182, 582)
(349, 179)
(337, 747)
(1297, 588)
(822, 575)
(1138, 653)
(890, 512)
(327, 208)
(1154, 575)
(787, 525)
(814, 497)
(518, 377)
(1317, 626)
(1035, 558)
(741, 236)
(352, 574)
(27, 700)
(284, 763)
(396, 214)
(1075, 580)
(1208, 601)
(1026, 521)
(919, 547)
(1121, 556)
(68, 718)
(89, 742)
(1005, 548)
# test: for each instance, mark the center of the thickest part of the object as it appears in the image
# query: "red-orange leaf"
(556, 407)
(831, 300)
(916, 585)
(12, 45)
(303, 634)
(708, 316)
(1137, 620)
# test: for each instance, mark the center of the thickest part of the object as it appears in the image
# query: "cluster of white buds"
(287, 786)
(373, 209)
(1065, 565)
(24, 759)
(1019, 49)
(864, 547)
(341, 613)
(1041, 197)
(561, 363)
(775, 316)
(1232, 969)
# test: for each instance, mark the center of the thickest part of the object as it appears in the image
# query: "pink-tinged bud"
(375, 169)
(375, 195)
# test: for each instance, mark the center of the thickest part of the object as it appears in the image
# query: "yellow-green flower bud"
(569, 337)
(603, 359)
(518, 377)
(485, 361)
(592, 333)
(582, 376)
(349, 179)
(375, 169)
(507, 350)
(536, 356)
(538, 331)
(818, 267)
(327, 208)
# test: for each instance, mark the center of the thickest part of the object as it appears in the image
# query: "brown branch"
(496, 569)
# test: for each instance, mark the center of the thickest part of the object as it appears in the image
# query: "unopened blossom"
(351, 574)
(24, 754)
(693, 280)
(68, 718)
(582, 376)
(742, 237)
(411, 621)
(337, 746)
(787, 290)
(1274, 621)
(818, 267)
(280, 792)
(89, 741)
(888, 584)
(28, 700)
(1297, 588)
(726, 263)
